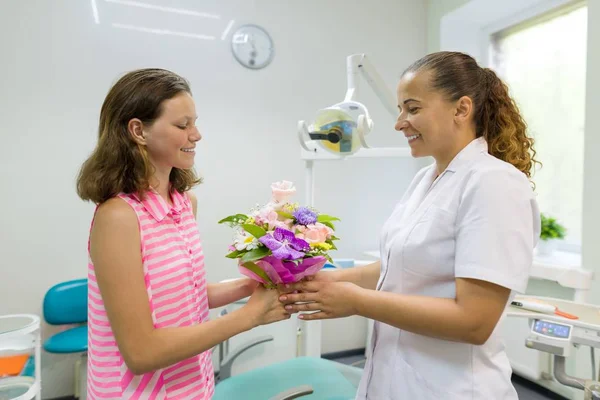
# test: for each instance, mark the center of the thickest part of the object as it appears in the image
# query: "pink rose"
(271, 218)
(266, 216)
(285, 224)
(282, 191)
(317, 233)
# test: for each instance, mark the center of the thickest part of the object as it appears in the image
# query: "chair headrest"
(66, 303)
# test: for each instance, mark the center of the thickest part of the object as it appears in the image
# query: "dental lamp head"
(341, 128)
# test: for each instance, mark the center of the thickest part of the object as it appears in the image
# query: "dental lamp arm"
(360, 64)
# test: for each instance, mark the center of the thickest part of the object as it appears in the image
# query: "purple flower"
(305, 216)
(284, 244)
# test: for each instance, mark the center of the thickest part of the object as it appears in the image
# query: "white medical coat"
(479, 219)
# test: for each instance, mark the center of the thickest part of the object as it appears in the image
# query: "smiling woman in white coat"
(455, 249)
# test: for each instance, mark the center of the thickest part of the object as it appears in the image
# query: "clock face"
(252, 46)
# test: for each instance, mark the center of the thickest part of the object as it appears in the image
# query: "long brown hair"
(497, 116)
(118, 164)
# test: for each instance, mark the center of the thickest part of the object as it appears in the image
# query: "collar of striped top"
(159, 208)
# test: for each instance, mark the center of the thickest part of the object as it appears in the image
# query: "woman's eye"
(413, 110)
(182, 126)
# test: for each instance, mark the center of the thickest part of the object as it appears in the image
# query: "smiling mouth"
(188, 150)
(413, 137)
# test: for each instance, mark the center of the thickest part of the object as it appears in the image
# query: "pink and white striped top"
(174, 273)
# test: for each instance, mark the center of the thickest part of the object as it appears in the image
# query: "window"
(543, 61)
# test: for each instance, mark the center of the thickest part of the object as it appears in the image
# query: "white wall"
(436, 10)
(57, 65)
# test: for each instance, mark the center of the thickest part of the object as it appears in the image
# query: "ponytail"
(497, 116)
(498, 120)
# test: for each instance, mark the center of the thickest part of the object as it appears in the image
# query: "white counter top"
(564, 268)
(561, 267)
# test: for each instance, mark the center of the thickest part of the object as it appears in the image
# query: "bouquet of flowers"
(281, 242)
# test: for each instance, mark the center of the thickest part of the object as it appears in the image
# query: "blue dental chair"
(66, 304)
(306, 377)
(311, 378)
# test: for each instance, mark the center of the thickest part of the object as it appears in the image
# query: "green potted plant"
(551, 232)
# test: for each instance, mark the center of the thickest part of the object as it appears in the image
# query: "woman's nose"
(401, 124)
(195, 136)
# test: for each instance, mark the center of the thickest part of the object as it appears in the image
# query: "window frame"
(470, 28)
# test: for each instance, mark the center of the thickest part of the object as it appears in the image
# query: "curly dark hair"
(497, 117)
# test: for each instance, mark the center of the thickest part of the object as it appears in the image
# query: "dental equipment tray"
(588, 314)
(556, 334)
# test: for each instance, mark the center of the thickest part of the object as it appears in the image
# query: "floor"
(525, 389)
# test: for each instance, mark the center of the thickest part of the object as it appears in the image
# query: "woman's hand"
(322, 276)
(249, 286)
(327, 298)
(264, 307)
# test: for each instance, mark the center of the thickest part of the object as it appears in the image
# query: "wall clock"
(252, 46)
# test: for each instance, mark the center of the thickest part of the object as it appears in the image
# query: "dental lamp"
(339, 132)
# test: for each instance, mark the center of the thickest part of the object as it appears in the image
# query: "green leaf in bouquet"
(255, 254)
(329, 242)
(333, 237)
(327, 218)
(329, 224)
(254, 230)
(236, 218)
(285, 215)
(256, 269)
(235, 254)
